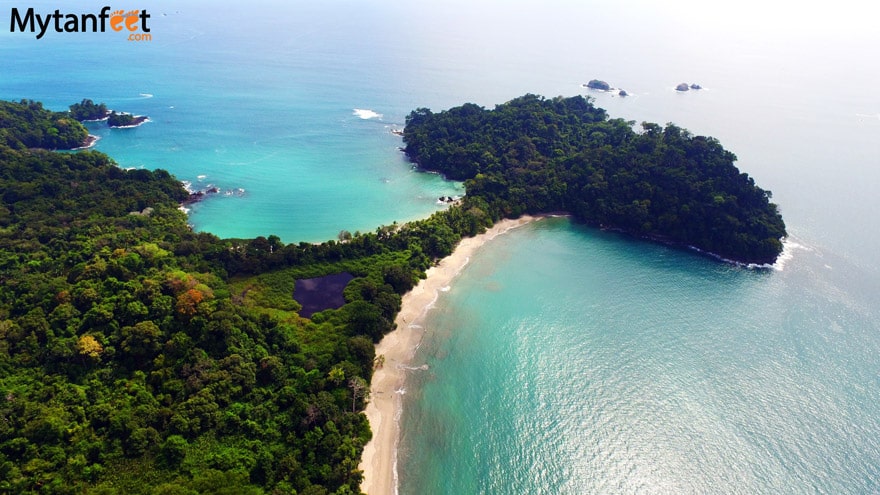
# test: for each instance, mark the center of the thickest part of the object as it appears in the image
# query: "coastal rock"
(88, 142)
(597, 84)
(682, 87)
(623, 93)
(125, 120)
(696, 86)
(196, 196)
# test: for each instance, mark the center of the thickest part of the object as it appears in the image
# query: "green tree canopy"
(536, 155)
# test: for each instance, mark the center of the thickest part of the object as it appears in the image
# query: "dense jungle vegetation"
(139, 357)
(88, 110)
(28, 125)
(536, 155)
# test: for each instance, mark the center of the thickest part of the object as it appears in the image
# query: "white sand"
(379, 460)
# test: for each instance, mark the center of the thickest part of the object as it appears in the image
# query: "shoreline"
(379, 458)
(90, 141)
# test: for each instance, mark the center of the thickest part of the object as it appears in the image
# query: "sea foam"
(367, 113)
(788, 248)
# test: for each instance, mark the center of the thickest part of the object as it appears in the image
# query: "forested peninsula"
(140, 357)
(534, 155)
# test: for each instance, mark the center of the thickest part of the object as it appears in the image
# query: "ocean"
(570, 360)
(564, 359)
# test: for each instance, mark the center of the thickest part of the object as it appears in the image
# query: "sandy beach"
(379, 460)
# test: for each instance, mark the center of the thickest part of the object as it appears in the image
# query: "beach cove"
(379, 459)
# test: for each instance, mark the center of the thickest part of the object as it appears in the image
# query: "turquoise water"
(273, 115)
(567, 360)
(564, 360)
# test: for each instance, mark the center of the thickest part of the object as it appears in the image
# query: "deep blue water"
(564, 360)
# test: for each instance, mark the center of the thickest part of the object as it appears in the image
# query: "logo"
(132, 22)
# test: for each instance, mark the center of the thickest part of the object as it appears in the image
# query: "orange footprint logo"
(116, 19)
(130, 19)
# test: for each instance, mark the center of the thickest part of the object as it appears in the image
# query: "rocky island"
(685, 87)
(597, 84)
(89, 111)
(125, 120)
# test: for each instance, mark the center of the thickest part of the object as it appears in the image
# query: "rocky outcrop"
(686, 86)
(597, 84)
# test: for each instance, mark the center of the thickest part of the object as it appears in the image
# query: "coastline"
(90, 141)
(379, 458)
